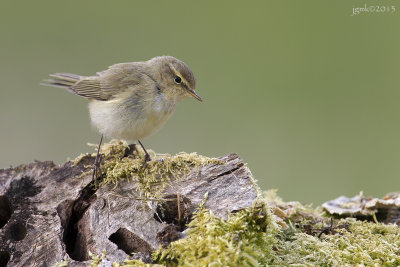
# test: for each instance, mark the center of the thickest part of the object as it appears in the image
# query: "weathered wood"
(51, 213)
(386, 210)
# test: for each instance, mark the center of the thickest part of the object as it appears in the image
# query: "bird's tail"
(63, 80)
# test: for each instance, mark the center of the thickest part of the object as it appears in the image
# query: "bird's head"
(174, 77)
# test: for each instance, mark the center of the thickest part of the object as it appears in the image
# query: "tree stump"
(49, 213)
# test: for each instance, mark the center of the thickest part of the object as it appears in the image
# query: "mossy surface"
(151, 179)
(246, 238)
(253, 236)
(364, 243)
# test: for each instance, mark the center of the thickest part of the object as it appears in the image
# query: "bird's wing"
(106, 84)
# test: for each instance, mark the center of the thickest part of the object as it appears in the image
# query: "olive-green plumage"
(130, 101)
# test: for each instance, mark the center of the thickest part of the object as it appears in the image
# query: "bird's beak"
(193, 93)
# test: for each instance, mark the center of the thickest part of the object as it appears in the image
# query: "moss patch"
(121, 164)
(246, 238)
(365, 243)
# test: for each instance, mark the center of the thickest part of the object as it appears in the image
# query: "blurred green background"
(304, 92)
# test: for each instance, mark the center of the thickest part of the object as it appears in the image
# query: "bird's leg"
(97, 162)
(146, 157)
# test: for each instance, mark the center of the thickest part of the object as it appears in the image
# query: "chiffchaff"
(131, 101)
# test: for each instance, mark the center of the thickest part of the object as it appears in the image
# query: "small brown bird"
(131, 101)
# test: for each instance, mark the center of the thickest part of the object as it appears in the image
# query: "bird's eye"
(177, 79)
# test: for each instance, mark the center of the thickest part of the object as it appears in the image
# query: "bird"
(132, 100)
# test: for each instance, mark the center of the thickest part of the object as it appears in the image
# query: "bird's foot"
(147, 158)
(96, 167)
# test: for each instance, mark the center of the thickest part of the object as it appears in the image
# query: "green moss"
(96, 260)
(243, 241)
(135, 263)
(151, 180)
(62, 264)
(365, 243)
(246, 238)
